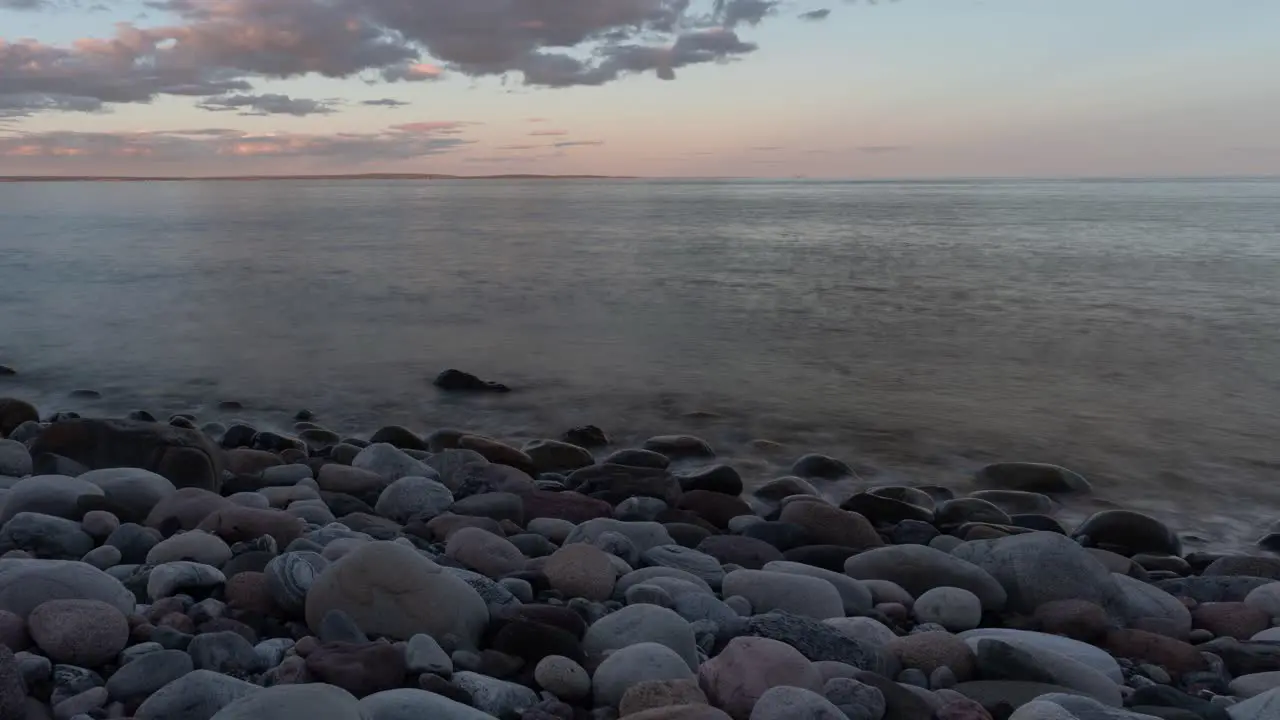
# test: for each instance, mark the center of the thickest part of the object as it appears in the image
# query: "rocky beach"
(176, 568)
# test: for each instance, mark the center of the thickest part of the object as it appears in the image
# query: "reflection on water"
(1127, 330)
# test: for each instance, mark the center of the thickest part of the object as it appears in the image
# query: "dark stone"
(83, 394)
(686, 534)
(587, 436)
(359, 668)
(134, 542)
(252, 561)
(1129, 532)
(230, 405)
(966, 510)
(186, 457)
(677, 516)
(497, 505)
(1165, 696)
(140, 416)
(1037, 522)
(338, 627)
(554, 615)
(827, 557)
(574, 507)
(532, 545)
(823, 467)
(276, 443)
(615, 483)
(1244, 658)
(14, 413)
(900, 703)
(228, 653)
(458, 381)
(343, 504)
(55, 464)
(638, 458)
(782, 535)
(238, 435)
(1215, 588)
(1032, 477)
(226, 624)
(440, 686)
(817, 640)
(912, 532)
(398, 436)
(179, 421)
(532, 641)
(714, 507)
(13, 692)
(885, 511)
(1247, 565)
(319, 439)
(304, 415)
(747, 552)
(717, 478)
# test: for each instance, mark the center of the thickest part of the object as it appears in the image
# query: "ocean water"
(1128, 330)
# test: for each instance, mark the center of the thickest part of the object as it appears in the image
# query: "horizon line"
(537, 176)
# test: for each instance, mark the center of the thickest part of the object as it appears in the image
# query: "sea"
(1128, 330)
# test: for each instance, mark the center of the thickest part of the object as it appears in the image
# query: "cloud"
(536, 120)
(548, 133)
(816, 15)
(209, 48)
(208, 145)
(577, 143)
(269, 104)
(767, 148)
(883, 149)
(520, 147)
(385, 102)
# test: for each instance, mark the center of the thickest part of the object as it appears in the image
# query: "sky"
(662, 88)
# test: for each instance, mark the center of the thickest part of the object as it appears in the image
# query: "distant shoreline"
(253, 178)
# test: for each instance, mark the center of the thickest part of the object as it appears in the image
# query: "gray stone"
(1037, 643)
(45, 536)
(696, 607)
(392, 590)
(12, 689)
(793, 703)
(553, 529)
(15, 461)
(641, 623)
(448, 462)
(1212, 588)
(134, 542)
(627, 666)
(486, 553)
(565, 678)
(81, 705)
(496, 697)
(294, 702)
(1032, 477)
(87, 633)
(410, 704)
(644, 535)
(168, 579)
(1001, 660)
(286, 475)
(290, 576)
(194, 546)
(646, 575)
(338, 627)
(224, 652)
(792, 593)
(273, 651)
(146, 674)
(424, 654)
(856, 700)
(854, 595)
(687, 559)
(919, 568)
(1146, 606)
(1016, 502)
(103, 557)
(817, 640)
(955, 609)
(1260, 707)
(412, 496)
(639, 509)
(1039, 567)
(55, 495)
(26, 584)
(1084, 708)
(197, 695)
(863, 629)
(493, 593)
(390, 462)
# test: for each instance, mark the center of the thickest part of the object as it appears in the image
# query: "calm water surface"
(1129, 330)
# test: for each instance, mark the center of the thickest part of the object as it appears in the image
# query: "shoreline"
(451, 574)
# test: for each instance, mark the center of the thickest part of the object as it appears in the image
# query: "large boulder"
(1001, 660)
(821, 640)
(45, 536)
(1143, 605)
(14, 412)
(411, 704)
(55, 495)
(568, 506)
(1040, 567)
(748, 667)
(581, 570)
(85, 633)
(557, 456)
(27, 584)
(392, 590)
(920, 568)
(15, 461)
(1260, 707)
(484, 552)
(1043, 643)
(188, 458)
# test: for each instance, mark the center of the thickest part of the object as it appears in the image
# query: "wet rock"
(14, 412)
(1041, 567)
(821, 467)
(680, 447)
(882, 510)
(557, 456)
(15, 461)
(186, 457)
(829, 525)
(1129, 533)
(459, 381)
(715, 478)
